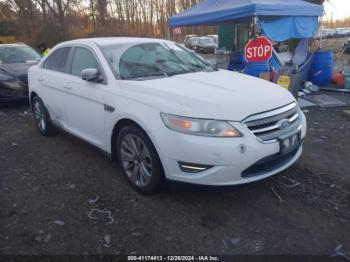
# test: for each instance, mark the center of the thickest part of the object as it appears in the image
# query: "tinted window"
(193, 41)
(83, 59)
(57, 61)
(206, 41)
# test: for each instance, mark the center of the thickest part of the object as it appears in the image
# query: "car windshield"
(17, 54)
(206, 41)
(152, 60)
(193, 40)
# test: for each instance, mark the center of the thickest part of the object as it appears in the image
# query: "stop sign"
(258, 50)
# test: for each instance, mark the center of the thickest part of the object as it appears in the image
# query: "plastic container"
(237, 62)
(255, 69)
(321, 68)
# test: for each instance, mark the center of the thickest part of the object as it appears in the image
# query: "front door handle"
(41, 79)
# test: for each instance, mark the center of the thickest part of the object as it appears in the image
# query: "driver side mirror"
(92, 75)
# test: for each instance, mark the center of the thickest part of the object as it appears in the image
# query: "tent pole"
(254, 26)
(321, 30)
(168, 33)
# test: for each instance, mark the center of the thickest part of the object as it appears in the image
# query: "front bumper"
(226, 156)
(16, 89)
(13, 95)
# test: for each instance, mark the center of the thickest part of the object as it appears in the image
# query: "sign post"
(258, 50)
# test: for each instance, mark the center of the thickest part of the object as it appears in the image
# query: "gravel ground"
(52, 188)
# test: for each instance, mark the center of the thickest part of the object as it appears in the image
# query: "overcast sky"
(340, 8)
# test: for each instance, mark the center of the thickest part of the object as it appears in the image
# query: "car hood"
(221, 95)
(16, 69)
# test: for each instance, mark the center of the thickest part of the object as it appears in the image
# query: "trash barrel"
(255, 69)
(237, 62)
(321, 68)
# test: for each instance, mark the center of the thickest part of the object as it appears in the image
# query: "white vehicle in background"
(327, 33)
(188, 37)
(215, 39)
(341, 32)
(165, 113)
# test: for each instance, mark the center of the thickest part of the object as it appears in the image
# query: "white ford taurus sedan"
(165, 113)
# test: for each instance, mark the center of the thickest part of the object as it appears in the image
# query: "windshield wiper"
(151, 67)
(144, 77)
(180, 72)
(201, 68)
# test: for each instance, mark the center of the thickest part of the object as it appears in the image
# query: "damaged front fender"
(12, 88)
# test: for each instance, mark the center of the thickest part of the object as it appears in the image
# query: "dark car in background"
(346, 46)
(188, 37)
(205, 45)
(15, 60)
(191, 42)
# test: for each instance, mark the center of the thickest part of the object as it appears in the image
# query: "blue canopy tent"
(299, 18)
(296, 18)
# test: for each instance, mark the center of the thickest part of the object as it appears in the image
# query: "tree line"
(52, 21)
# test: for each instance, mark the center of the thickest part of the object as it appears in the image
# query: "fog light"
(193, 168)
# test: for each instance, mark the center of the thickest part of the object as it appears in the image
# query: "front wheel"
(139, 160)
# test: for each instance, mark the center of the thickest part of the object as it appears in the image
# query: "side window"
(83, 58)
(57, 61)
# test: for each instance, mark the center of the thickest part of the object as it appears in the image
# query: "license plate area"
(289, 143)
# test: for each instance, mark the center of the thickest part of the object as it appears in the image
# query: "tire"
(139, 160)
(42, 117)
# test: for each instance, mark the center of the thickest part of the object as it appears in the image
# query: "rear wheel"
(139, 160)
(42, 117)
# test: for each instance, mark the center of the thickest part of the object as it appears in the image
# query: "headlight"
(200, 127)
(6, 78)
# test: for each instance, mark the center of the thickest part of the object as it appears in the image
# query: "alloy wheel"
(136, 160)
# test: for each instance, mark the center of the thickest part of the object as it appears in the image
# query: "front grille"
(271, 125)
(24, 79)
(268, 164)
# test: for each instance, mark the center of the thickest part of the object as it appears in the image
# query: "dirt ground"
(50, 189)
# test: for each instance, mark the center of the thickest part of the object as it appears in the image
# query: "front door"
(84, 102)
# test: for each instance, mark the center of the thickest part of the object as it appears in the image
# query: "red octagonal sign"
(258, 50)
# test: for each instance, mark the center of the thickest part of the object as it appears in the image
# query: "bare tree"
(59, 9)
(56, 20)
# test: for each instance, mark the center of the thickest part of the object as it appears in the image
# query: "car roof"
(105, 41)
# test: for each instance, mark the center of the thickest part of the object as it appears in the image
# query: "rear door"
(84, 102)
(53, 78)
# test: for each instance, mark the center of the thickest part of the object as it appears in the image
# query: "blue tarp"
(293, 27)
(215, 12)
